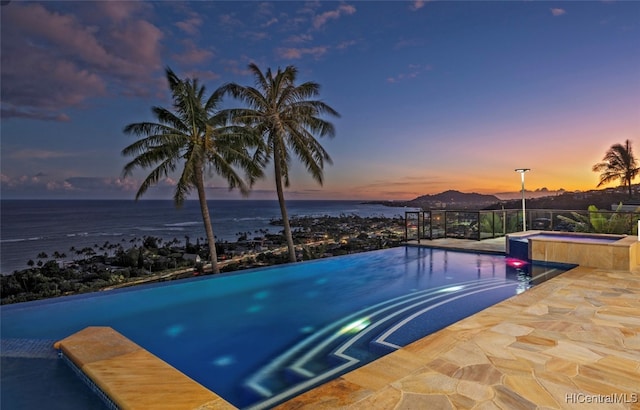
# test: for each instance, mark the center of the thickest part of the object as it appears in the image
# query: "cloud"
(269, 23)
(237, 67)
(404, 43)
(417, 5)
(190, 25)
(413, 71)
(299, 38)
(120, 11)
(343, 9)
(346, 44)
(44, 186)
(27, 185)
(192, 54)
(230, 21)
(202, 75)
(54, 61)
(27, 154)
(557, 12)
(297, 53)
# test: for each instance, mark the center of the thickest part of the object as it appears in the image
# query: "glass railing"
(485, 224)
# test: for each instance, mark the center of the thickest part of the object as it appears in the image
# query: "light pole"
(524, 218)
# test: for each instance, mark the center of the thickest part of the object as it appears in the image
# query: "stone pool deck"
(572, 342)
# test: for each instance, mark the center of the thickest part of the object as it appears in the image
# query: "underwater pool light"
(356, 326)
(516, 263)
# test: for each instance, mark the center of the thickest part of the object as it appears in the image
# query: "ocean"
(29, 227)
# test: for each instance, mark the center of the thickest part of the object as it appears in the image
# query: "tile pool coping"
(565, 343)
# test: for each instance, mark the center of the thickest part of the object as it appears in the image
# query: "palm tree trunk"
(283, 207)
(207, 222)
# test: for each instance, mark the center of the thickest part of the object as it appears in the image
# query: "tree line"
(278, 119)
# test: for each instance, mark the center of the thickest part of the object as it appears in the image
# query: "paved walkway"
(572, 342)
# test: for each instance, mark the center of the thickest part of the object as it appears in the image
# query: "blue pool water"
(261, 336)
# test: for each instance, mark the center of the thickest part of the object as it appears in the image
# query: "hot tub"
(617, 252)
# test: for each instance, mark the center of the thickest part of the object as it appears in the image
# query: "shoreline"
(151, 259)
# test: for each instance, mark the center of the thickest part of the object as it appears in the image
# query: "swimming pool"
(261, 336)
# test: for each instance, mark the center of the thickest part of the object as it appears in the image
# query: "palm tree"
(196, 137)
(618, 163)
(288, 120)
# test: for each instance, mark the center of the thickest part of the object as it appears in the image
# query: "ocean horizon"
(30, 227)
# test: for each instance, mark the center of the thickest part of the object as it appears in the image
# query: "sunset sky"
(432, 95)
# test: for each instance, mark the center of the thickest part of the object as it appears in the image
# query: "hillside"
(450, 199)
(454, 200)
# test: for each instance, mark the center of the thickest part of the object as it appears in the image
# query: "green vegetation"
(280, 118)
(619, 163)
(151, 259)
(197, 138)
(284, 115)
(597, 221)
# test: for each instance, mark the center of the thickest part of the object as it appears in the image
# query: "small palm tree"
(284, 115)
(196, 137)
(619, 163)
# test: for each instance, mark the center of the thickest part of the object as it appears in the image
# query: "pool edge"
(130, 376)
(525, 351)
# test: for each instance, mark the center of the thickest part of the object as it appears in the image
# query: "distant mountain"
(452, 196)
(446, 200)
(607, 198)
(538, 193)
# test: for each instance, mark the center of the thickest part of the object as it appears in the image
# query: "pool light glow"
(356, 326)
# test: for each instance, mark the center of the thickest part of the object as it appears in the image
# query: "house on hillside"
(193, 257)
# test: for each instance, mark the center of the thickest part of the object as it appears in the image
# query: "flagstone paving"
(572, 342)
